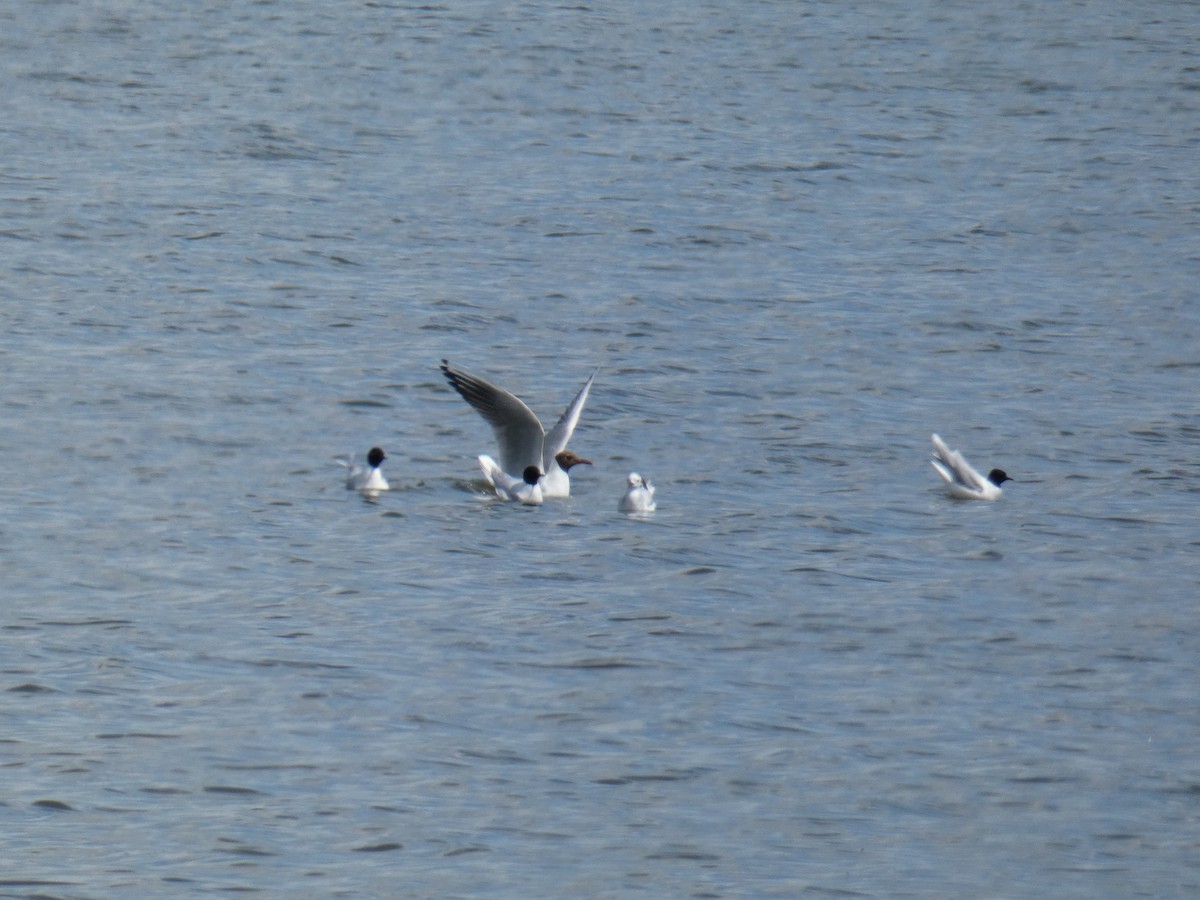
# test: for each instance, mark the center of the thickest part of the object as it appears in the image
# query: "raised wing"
(519, 434)
(954, 468)
(560, 435)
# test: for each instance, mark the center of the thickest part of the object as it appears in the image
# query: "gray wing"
(518, 432)
(560, 434)
(957, 465)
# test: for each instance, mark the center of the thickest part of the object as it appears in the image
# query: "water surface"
(796, 241)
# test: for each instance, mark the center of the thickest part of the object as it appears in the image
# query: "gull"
(526, 489)
(961, 480)
(640, 496)
(367, 478)
(523, 442)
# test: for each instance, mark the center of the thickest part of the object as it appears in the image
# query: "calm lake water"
(796, 239)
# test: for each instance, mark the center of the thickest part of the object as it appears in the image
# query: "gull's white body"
(961, 480)
(364, 478)
(522, 440)
(510, 488)
(639, 498)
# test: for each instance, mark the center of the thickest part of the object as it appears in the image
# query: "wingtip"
(453, 378)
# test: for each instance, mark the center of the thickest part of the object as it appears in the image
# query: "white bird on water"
(962, 481)
(527, 489)
(639, 498)
(365, 478)
(523, 442)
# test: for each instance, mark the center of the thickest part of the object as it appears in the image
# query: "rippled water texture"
(796, 239)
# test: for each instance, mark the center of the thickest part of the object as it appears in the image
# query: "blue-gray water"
(796, 239)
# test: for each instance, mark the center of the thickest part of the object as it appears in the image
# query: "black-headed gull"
(640, 496)
(365, 478)
(961, 480)
(523, 442)
(527, 489)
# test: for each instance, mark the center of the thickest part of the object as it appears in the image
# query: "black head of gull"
(375, 457)
(566, 459)
(531, 474)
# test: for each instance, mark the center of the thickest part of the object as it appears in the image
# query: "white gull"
(526, 489)
(365, 478)
(639, 498)
(962, 481)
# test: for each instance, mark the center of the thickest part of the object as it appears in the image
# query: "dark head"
(376, 457)
(531, 474)
(998, 477)
(566, 459)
